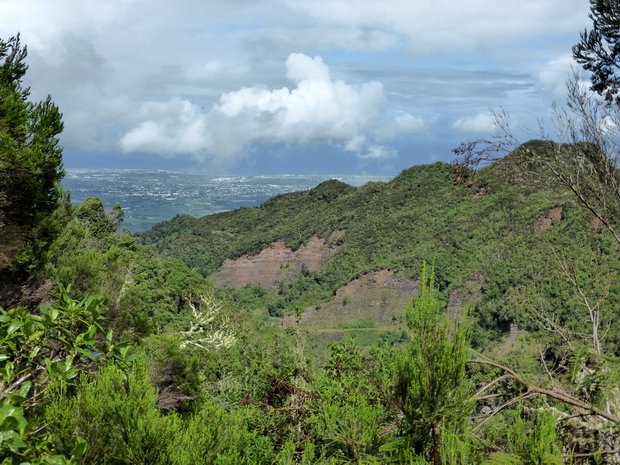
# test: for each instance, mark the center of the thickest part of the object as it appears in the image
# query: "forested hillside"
(489, 239)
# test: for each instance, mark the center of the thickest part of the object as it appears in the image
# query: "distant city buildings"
(149, 197)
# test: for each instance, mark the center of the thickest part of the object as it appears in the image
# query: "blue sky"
(290, 86)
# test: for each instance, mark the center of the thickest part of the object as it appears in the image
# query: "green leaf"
(498, 458)
(34, 352)
(8, 424)
(17, 441)
(9, 344)
(79, 449)
(35, 335)
(29, 328)
(108, 337)
(46, 320)
(7, 370)
(25, 389)
(16, 399)
(391, 446)
(15, 326)
(58, 460)
(88, 353)
(52, 367)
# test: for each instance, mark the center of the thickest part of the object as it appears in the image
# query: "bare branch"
(532, 390)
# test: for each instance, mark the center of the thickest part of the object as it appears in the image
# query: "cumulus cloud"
(172, 127)
(403, 123)
(552, 76)
(481, 123)
(176, 77)
(43, 23)
(378, 152)
(318, 109)
(303, 68)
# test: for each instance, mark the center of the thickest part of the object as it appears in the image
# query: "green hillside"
(500, 235)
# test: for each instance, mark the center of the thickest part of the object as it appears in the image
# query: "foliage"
(599, 49)
(217, 382)
(30, 162)
(352, 429)
(430, 386)
(143, 291)
(92, 214)
(158, 293)
(484, 239)
(529, 440)
(52, 347)
(115, 414)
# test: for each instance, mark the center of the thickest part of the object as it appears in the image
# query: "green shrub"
(115, 413)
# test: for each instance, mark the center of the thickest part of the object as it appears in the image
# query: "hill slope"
(488, 239)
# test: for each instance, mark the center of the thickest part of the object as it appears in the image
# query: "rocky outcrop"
(380, 294)
(20, 290)
(274, 264)
(545, 222)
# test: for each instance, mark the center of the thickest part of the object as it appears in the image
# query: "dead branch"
(531, 391)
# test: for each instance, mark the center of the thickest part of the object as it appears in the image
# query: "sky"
(290, 86)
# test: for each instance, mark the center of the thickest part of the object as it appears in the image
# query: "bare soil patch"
(273, 265)
(380, 294)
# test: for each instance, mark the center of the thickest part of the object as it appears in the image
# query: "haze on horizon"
(285, 86)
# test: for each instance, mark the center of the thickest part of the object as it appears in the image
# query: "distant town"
(149, 197)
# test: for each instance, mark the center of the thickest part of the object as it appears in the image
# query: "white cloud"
(481, 123)
(42, 23)
(378, 152)
(171, 128)
(609, 126)
(178, 77)
(333, 38)
(403, 123)
(356, 144)
(207, 70)
(317, 110)
(303, 68)
(553, 75)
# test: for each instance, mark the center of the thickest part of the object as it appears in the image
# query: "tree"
(599, 49)
(100, 222)
(430, 386)
(583, 156)
(46, 351)
(30, 162)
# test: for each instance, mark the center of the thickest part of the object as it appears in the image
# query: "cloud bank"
(136, 77)
(318, 109)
